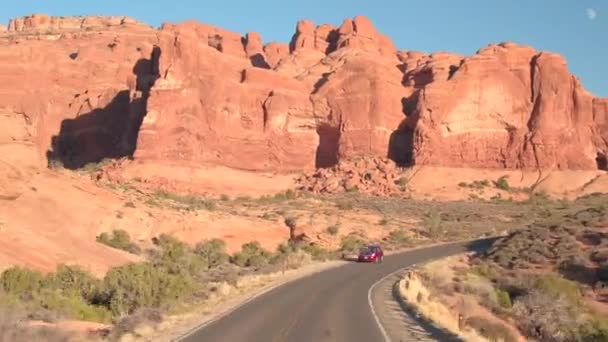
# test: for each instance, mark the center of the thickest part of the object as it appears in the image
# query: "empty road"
(328, 306)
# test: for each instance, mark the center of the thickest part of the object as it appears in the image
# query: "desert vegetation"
(173, 274)
(547, 281)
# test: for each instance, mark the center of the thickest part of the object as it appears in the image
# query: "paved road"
(329, 306)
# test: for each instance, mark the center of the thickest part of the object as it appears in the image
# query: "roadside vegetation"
(548, 281)
(175, 277)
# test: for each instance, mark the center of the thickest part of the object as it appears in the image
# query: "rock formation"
(88, 88)
(370, 175)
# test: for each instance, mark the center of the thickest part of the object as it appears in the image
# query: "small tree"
(291, 223)
(212, 251)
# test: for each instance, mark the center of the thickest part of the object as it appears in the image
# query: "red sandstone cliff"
(192, 94)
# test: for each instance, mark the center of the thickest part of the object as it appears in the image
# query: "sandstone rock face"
(193, 94)
(74, 91)
(43, 23)
(507, 106)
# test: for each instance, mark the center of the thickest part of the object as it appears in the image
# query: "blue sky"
(577, 29)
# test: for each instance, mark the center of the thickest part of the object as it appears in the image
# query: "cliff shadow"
(401, 141)
(327, 150)
(601, 161)
(107, 132)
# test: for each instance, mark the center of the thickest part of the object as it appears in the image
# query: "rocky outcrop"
(507, 106)
(43, 23)
(193, 94)
(81, 91)
(371, 175)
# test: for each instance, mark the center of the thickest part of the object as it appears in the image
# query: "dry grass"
(444, 289)
(419, 297)
(13, 328)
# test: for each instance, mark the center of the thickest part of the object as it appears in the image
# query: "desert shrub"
(548, 317)
(268, 216)
(131, 322)
(490, 330)
(502, 183)
(71, 304)
(176, 257)
(402, 183)
(554, 285)
(21, 281)
(135, 286)
(94, 166)
(119, 239)
(383, 222)
(596, 330)
(333, 230)
(224, 198)
(345, 205)
(316, 252)
(68, 292)
(433, 224)
(484, 270)
(284, 196)
(293, 260)
(72, 280)
(503, 299)
(188, 202)
(398, 237)
(129, 204)
(251, 255)
(12, 329)
(213, 252)
(351, 243)
(228, 273)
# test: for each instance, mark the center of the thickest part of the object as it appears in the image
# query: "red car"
(371, 253)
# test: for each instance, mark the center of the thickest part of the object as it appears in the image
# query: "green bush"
(20, 281)
(69, 292)
(333, 230)
(503, 298)
(555, 285)
(141, 285)
(118, 239)
(317, 252)
(502, 183)
(351, 243)
(72, 280)
(251, 255)
(72, 305)
(213, 252)
(176, 257)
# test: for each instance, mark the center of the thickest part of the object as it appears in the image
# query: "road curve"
(328, 306)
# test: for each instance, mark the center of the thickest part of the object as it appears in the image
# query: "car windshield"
(366, 250)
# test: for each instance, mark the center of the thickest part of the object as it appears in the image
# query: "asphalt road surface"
(331, 305)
